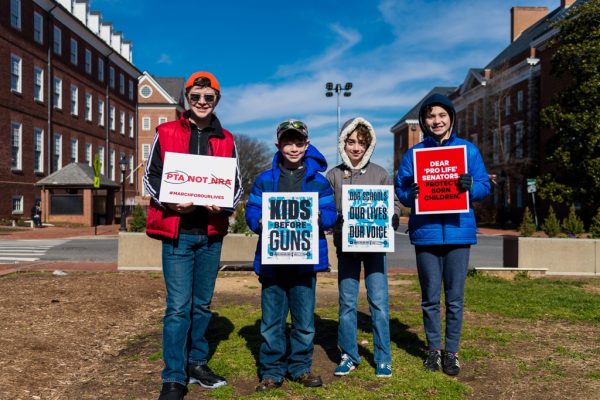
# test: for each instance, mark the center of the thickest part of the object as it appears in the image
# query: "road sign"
(531, 186)
(96, 172)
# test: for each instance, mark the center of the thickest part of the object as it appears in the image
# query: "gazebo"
(68, 195)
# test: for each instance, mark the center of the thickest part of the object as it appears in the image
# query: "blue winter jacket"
(439, 229)
(268, 181)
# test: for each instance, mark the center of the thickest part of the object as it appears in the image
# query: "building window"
(507, 105)
(74, 100)
(519, 140)
(74, 150)
(111, 164)
(38, 28)
(146, 123)
(122, 123)
(145, 151)
(16, 73)
(88, 106)
(162, 120)
(475, 111)
(57, 151)
(16, 145)
(88, 61)
(100, 112)
(122, 84)
(519, 193)
(131, 126)
(73, 51)
(506, 131)
(57, 93)
(146, 91)
(111, 77)
(131, 169)
(38, 84)
(111, 118)
(57, 40)
(17, 204)
(101, 158)
(100, 69)
(121, 155)
(474, 138)
(496, 145)
(15, 14)
(38, 150)
(520, 100)
(130, 90)
(88, 154)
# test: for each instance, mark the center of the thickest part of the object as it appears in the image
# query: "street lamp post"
(123, 165)
(330, 87)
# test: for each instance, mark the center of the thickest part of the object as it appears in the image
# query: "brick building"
(68, 92)
(160, 100)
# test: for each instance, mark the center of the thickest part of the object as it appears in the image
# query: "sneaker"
(450, 363)
(203, 376)
(172, 391)
(309, 380)
(345, 367)
(433, 362)
(383, 370)
(268, 384)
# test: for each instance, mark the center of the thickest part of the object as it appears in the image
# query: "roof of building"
(75, 175)
(173, 86)
(414, 112)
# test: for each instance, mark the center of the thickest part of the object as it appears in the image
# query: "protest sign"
(367, 211)
(202, 180)
(290, 233)
(436, 172)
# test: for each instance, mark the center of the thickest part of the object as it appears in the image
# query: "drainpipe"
(49, 83)
(107, 113)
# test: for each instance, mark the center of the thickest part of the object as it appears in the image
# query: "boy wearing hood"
(356, 144)
(296, 167)
(442, 241)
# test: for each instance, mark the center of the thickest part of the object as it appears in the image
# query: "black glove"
(337, 231)
(395, 222)
(414, 190)
(465, 182)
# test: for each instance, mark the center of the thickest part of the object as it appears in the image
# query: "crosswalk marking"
(15, 251)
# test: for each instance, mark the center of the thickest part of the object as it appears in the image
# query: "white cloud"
(164, 59)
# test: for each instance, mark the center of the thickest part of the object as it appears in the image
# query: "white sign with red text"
(202, 180)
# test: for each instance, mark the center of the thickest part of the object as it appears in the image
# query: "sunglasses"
(292, 124)
(209, 98)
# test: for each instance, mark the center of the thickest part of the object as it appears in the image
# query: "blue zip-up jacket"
(440, 229)
(268, 181)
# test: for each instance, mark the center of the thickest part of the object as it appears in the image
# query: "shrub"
(527, 227)
(573, 225)
(551, 226)
(138, 220)
(595, 226)
(239, 224)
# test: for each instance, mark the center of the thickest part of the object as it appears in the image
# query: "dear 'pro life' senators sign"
(202, 180)
(367, 212)
(436, 172)
(290, 233)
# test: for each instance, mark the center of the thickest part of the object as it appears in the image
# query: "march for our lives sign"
(367, 211)
(290, 233)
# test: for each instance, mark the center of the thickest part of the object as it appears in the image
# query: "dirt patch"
(97, 336)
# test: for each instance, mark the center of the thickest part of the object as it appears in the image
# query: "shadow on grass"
(218, 330)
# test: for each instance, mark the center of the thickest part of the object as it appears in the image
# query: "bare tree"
(253, 158)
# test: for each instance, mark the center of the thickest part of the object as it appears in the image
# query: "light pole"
(329, 86)
(123, 165)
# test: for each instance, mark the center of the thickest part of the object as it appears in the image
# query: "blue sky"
(273, 58)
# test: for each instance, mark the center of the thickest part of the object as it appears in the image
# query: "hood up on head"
(436, 99)
(346, 131)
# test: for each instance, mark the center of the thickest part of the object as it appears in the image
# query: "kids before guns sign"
(290, 233)
(436, 172)
(367, 212)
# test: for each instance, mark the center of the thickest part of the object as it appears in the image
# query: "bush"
(239, 224)
(573, 225)
(551, 226)
(595, 226)
(527, 227)
(138, 220)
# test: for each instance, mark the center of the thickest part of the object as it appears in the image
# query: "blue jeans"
(190, 267)
(376, 282)
(287, 292)
(448, 264)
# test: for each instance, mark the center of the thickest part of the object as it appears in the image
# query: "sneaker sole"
(339, 373)
(213, 386)
(383, 376)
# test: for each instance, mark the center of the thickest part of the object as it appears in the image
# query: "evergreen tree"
(239, 224)
(573, 225)
(527, 227)
(574, 149)
(138, 220)
(595, 226)
(551, 225)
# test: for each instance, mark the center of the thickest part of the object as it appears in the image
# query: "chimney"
(522, 18)
(566, 3)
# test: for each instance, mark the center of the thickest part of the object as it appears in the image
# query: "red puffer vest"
(174, 136)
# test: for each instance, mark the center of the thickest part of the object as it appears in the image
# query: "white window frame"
(100, 112)
(100, 69)
(520, 100)
(121, 155)
(131, 174)
(15, 14)
(17, 200)
(16, 146)
(57, 40)
(38, 158)
(89, 158)
(122, 123)
(111, 164)
(101, 158)
(57, 150)
(88, 61)
(57, 93)
(146, 123)
(111, 77)
(162, 120)
(16, 73)
(88, 106)
(121, 83)
(38, 84)
(74, 100)
(131, 122)
(74, 150)
(145, 151)
(74, 51)
(112, 117)
(38, 27)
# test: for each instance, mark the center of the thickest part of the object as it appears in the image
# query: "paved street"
(16, 251)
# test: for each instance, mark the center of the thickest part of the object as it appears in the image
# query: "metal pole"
(337, 153)
(123, 227)
(534, 211)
